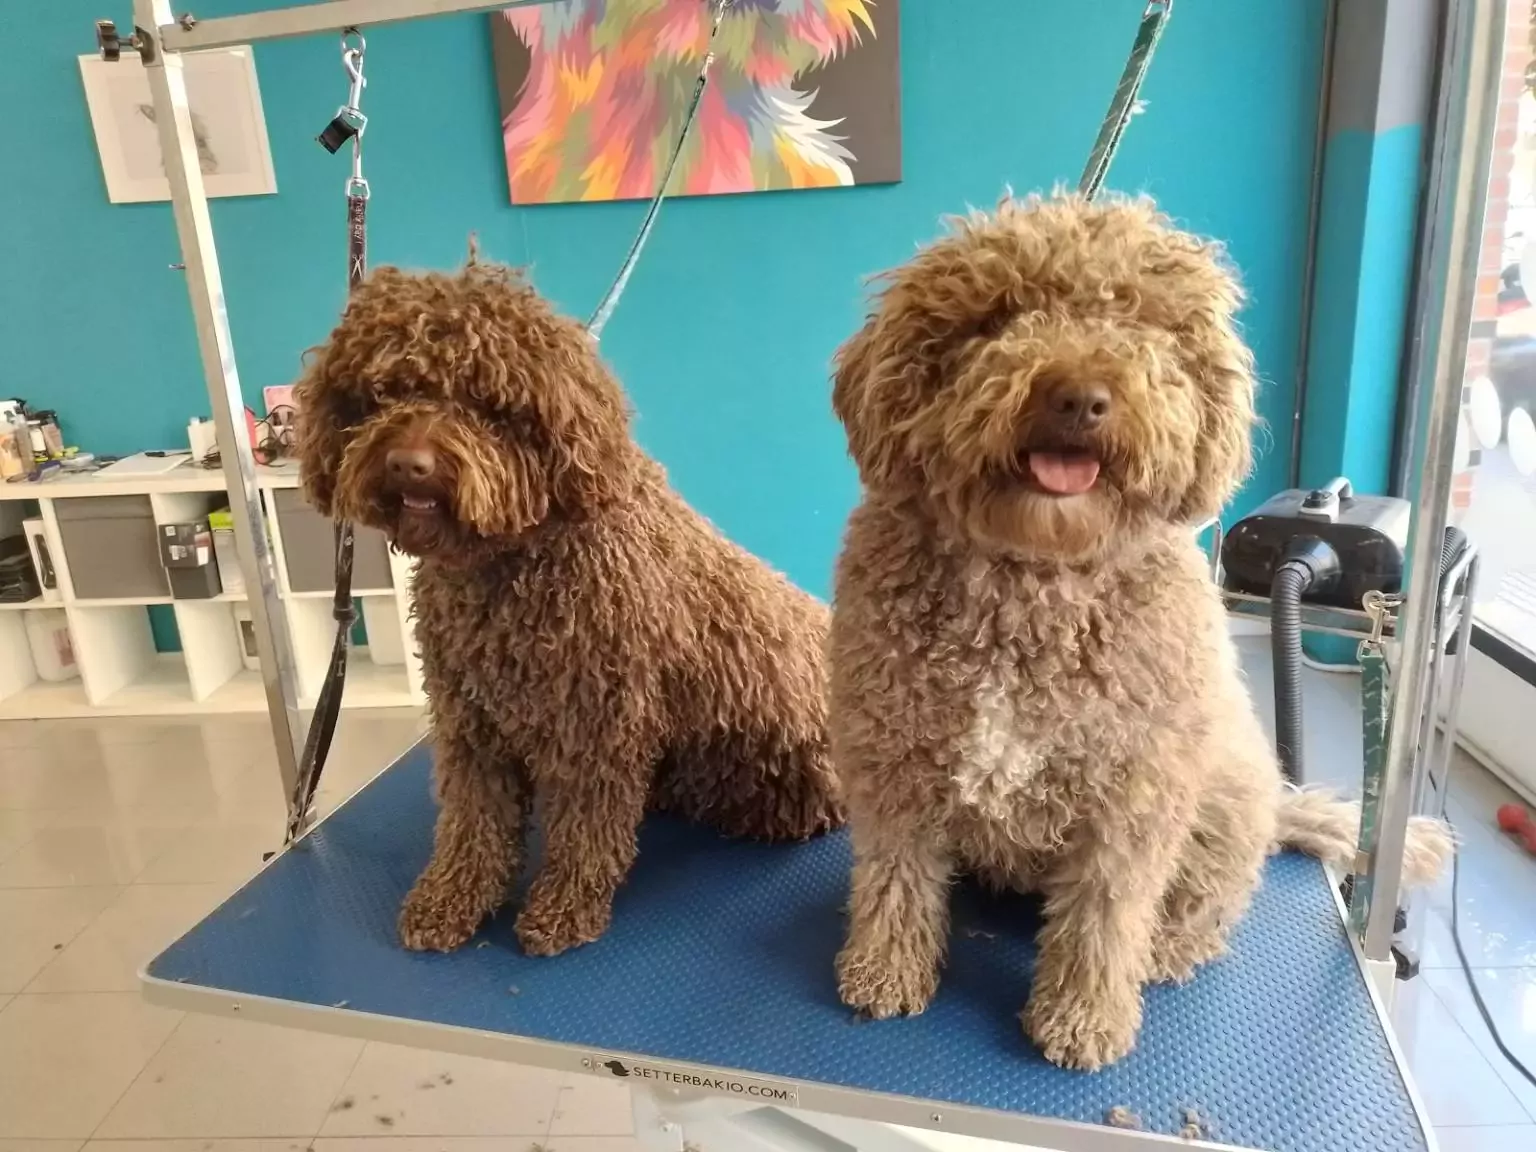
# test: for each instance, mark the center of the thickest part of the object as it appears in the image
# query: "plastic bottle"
(15, 441)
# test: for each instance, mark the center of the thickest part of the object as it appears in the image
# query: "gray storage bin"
(309, 549)
(111, 546)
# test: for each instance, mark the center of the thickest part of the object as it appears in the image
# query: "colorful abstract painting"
(802, 94)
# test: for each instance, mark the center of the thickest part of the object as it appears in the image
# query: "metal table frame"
(678, 1103)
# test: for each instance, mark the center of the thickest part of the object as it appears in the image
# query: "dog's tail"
(1321, 825)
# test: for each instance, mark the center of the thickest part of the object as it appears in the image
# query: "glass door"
(1494, 499)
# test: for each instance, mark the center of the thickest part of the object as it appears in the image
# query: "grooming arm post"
(1459, 185)
(178, 146)
(1458, 683)
(308, 19)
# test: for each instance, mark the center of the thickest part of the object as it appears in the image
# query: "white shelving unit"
(121, 673)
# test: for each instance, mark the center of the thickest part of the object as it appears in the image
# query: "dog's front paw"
(552, 922)
(1077, 1030)
(436, 918)
(881, 988)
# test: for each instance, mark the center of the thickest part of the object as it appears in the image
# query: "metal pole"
(1458, 681)
(1457, 192)
(307, 19)
(1314, 220)
(1435, 779)
(178, 145)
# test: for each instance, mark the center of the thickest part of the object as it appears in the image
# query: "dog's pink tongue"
(1064, 473)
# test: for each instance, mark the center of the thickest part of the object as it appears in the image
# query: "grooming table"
(715, 983)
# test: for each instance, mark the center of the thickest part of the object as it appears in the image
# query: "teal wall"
(1367, 244)
(1380, 111)
(726, 331)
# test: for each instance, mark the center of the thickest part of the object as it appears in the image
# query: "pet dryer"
(1326, 548)
(1323, 545)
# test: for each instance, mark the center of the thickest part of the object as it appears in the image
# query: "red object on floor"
(1513, 818)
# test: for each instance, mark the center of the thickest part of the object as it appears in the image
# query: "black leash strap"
(322, 726)
(1124, 105)
(357, 233)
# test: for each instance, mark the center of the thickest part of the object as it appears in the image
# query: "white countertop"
(187, 478)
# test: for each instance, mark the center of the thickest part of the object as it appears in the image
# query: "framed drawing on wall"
(227, 121)
(802, 94)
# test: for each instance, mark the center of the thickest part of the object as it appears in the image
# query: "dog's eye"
(519, 426)
(992, 326)
(352, 408)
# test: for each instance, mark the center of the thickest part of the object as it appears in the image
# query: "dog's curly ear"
(855, 404)
(888, 370)
(332, 393)
(1222, 369)
(320, 438)
(592, 424)
(582, 408)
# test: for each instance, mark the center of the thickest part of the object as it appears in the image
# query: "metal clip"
(1379, 607)
(349, 123)
(352, 61)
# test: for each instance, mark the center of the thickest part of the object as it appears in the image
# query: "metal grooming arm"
(194, 228)
(159, 38)
(1458, 187)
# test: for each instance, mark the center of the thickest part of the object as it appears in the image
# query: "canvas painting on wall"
(802, 94)
(231, 132)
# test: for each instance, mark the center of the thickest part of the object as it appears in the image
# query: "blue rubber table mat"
(720, 953)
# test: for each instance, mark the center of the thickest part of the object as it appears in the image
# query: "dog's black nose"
(1082, 405)
(409, 464)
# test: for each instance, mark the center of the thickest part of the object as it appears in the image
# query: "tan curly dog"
(591, 645)
(1031, 673)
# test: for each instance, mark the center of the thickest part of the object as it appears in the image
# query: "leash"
(610, 300)
(1375, 712)
(349, 123)
(1125, 103)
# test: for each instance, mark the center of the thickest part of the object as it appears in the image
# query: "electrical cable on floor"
(1466, 970)
(1333, 669)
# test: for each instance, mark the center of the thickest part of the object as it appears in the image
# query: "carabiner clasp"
(349, 123)
(1379, 606)
(352, 61)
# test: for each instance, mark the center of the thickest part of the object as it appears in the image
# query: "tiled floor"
(114, 835)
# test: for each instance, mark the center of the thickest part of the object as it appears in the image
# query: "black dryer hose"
(1309, 564)
(1291, 579)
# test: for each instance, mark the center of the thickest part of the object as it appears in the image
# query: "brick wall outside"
(1519, 51)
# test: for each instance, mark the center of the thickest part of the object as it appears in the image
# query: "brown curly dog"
(590, 644)
(1031, 673)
